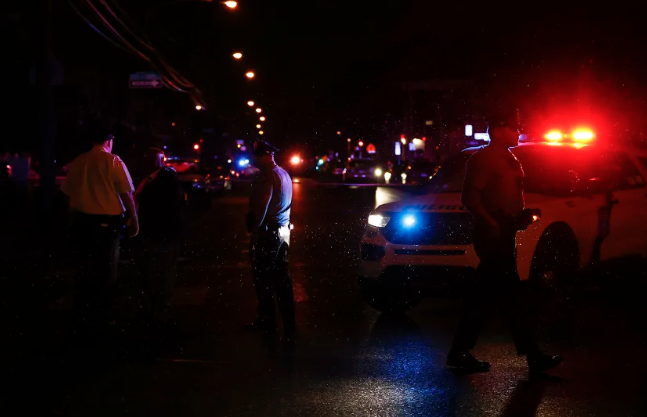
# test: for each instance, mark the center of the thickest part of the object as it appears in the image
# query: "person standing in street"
(100, 194)
(160, 206)
(493, 194)
(268, 222)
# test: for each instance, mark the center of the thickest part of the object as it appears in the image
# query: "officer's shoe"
(261, 325)
(465, 361)
(542, 362)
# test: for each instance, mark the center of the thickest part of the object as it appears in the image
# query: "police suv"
(592, 208)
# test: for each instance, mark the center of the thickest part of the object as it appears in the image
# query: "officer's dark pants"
(157, 260)
(271, 276)
(96, 241)
(497, 284)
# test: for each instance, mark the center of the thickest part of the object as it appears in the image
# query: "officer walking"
(493, 193)
(160, 204)
(268, 221)
(100, 191)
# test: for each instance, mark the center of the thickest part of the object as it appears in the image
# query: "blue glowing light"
(321, 162)
(409, 220)
(243, 162)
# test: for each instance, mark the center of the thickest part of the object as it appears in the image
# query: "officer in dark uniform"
(268, 222)
(493, 193)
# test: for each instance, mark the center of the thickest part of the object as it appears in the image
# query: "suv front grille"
(429, 228)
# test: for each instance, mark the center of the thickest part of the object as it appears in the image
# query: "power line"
(78, 12)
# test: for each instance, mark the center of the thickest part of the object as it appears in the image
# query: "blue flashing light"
(243, 162)
(409, 220)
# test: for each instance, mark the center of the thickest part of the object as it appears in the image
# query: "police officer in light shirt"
(493, 193)
(268, 222)
(100, 194)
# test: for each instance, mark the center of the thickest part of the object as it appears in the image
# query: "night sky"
(328, 65)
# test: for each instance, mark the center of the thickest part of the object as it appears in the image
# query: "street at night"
(349, 358)
(323, 208)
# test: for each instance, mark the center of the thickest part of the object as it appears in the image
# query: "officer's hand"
(132, 226)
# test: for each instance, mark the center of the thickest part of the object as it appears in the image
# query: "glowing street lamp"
(196, 146)
(237, 55)
(250, 103)
(231, 4)
(262, 118)
(258, 126)
(198, 107)
(260, 132)
(250, 74)
(360, 143)
(259, 110)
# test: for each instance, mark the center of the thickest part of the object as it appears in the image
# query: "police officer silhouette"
(268, 222)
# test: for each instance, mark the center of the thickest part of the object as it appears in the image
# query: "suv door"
(626, 206)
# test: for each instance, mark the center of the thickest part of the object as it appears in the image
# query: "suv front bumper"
(381, 259)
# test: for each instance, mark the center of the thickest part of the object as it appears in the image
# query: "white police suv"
(593, 203)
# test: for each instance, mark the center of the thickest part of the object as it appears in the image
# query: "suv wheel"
(556, 260)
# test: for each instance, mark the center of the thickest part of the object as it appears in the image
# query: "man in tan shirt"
(493, 193)
(100, 194)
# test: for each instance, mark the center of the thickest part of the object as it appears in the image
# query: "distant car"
(363, 170)
(218, 178)
(198, 183)
(397, 174)
(420, 171)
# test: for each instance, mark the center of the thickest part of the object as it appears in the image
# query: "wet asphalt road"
(349, 359)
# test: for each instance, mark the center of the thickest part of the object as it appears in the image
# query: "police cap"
(264, 148)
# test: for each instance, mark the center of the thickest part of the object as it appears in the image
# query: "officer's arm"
(124, 185)
(261, 202)
(477, 174)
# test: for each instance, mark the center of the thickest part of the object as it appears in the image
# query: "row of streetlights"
(250, 74)
(258, 110)
(236, 55)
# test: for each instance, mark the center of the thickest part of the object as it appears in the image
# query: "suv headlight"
(378, 220)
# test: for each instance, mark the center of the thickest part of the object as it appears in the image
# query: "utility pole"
(45, 110)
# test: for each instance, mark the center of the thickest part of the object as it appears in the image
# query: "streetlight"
(250, 103)
(258, 126)
(260, 132)
(198, 107)
(360, 143)
(250, 74)
(196, 146)
(231, 4)
(258, 110)
(237, 55)
(262, 118)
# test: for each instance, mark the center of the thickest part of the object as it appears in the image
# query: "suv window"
(555, 170)
(622, 172)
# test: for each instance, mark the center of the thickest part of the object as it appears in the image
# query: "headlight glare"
(378, 220)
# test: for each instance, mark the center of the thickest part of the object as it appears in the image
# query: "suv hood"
(442, 202)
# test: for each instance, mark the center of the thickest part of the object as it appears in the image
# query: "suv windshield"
(449, 178)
